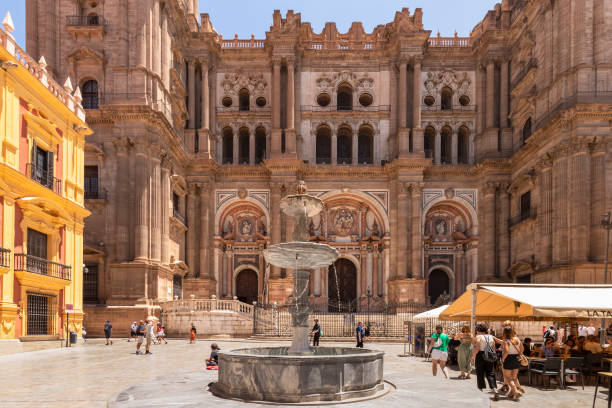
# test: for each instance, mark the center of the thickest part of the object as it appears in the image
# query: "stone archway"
(246, 286)
(346, 285)
(438, 284)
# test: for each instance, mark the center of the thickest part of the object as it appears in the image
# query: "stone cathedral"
(440, 161)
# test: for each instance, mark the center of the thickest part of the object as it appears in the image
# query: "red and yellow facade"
(42, 135)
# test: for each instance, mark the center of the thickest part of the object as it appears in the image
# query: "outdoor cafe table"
(541, 360)
(607, 375)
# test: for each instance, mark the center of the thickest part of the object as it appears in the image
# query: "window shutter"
(49, 169)
(33, 161)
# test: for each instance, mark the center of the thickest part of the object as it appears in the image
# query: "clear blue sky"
(244, 17)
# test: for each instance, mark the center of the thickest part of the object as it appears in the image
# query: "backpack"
(367, 331)
(489, 355)
(320, 332)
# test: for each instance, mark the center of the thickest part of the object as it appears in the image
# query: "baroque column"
(560, 209)
(355, 147)
(290, 134)
(437, 147)
(275, 228)
(416, 245)
(403, 236)
(580, 201)
(191, 232)
(122, 193)
(142, 203)
(402, 102)
(490, 94)
(454, 146)
(204, 231)
(502, 228)
(205, 131)
(487, 232)
(156, 203)
(165, 214)
(503, 94)
(276, 108)
(251, 147)
(334, 147)
(191, 90)
(417, 132)
(544, 180)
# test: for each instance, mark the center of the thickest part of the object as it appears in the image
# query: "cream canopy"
(511, 301)
(430, 314)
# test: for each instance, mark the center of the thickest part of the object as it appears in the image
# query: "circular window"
(464, 100)
(323, 99)
(260, 101)
(429, 100)
(365, 99)
(226, 101)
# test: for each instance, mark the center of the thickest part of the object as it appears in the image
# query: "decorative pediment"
(86, 53)
(459, 82)
(233, 82)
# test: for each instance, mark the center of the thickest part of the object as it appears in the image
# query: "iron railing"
(5, 258)
(176, 214)
(44, 177)
(85, 21)
(531, 214)
(454, 108)
(34, 264)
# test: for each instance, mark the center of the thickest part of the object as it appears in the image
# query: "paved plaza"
(95, 375)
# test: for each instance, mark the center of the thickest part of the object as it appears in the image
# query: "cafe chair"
(593, 363)
(549, 368)
(573, 366)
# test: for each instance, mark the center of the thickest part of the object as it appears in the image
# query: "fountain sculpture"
(299, 373)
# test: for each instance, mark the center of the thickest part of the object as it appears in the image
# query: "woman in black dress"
(513, 348)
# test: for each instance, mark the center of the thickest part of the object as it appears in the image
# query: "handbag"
(521, 357)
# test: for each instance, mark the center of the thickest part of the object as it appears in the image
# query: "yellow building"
(42, 134)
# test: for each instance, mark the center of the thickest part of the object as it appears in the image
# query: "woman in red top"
(192, 337)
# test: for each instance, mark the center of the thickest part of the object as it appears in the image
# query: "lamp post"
(606, 224)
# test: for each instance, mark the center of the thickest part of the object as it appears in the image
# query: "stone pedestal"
(407, 290)
(299, 314)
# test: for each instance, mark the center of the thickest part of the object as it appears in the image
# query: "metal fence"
(339, 319)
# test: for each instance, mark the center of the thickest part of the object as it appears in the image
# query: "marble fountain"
(300, 373)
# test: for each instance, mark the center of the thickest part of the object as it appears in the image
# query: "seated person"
(578, 350)
(527, 347)
(548, 350)
(213, 361)
(568, 346)
(592, 345)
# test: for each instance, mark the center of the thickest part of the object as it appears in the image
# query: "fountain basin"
(325, 374)
(301, 255)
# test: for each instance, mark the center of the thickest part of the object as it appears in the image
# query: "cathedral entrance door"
(246, 286)
(438, 285)
(346, 286)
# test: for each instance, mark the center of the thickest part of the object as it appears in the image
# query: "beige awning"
(430, 314)
(531, 302)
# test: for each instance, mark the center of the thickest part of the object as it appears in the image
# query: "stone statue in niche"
(228, 228)
(440, 227)
(375, 230)
(311, 228)
(262, 225)
(246, 228)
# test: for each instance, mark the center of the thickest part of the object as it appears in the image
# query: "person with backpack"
(438, 349)
(140, 332)
(484, 357)
(108, 327)
(359, 334)
(550, 333)
(316, 333)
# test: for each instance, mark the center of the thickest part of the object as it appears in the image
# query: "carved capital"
(490, 187)
(276, 187)
(416, 187)
(204, 188)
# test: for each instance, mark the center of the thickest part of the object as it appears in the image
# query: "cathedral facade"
(440, 161)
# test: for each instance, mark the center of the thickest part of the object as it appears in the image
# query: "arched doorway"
(177, 287)
(345, 272)
(439, 284)
(246, 286)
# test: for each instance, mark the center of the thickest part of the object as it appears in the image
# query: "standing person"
(316, 333)
(560, 335)
(84, 334)
(108, 327)
(484, 369)
(359, 334)
(192, 334)
(140, 332)
(590, 330)
(150, 333)
(133, 328)
(582, 331)
(161, 333)
(439, 351)
(464, 354)
(550, 333)
(511, 364)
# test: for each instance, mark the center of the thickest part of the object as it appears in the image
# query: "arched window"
(260, 145)
(345, 146)
(90, 94)
(526, 130)
(429, 142)
(446, 98)
(323, 152)
(243, 145)
(463, 145)
(228, 146)
(244, 100)
(447, 145)
(345, 97)
(365, 143)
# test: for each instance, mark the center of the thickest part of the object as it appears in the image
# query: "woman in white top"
(484, 368)
(513, 348)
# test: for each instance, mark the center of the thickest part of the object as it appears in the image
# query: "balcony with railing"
(41, 266)
(525, 215)
(44, 177)
(80, 21)
(237, 44)
(450, 109)
(176, 214)
(454, 42)
(5, 258)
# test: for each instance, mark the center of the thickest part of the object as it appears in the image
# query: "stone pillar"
(478, 88)
(290, 95)
(205, 144)
(416, 204)
(142, 204)
(156, 204)
(487, 232)
(191, 232)
(355, 148)
(275, 228)
(276, 109)
(229, 278)
(191, 94)
(402, 100)
(502, 229)
(417, 132)
(165, 215)
(598, 202)
(490, 94)
(437, 147)
(156, 33)
(403, 236)
(545, 212)
(503, 95)
(165, 74)
(122, 189)
(252, 148)
(363, 278)
(213, 114)
(334, 147)
(236, 149)
(454, 146)
(580, 202)
(560, 208)
(375, 287)
(204, 231)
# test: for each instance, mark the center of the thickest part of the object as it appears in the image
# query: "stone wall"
(214, 323)
(121, 317)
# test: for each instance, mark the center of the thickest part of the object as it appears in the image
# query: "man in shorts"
(438, 348)
(140, 333)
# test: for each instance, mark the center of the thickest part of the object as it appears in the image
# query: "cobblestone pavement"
(95, 375)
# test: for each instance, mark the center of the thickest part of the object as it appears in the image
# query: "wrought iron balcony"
(527, 215)
(85, 21)
(5, 258)
(44, 177)
(40, 266)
